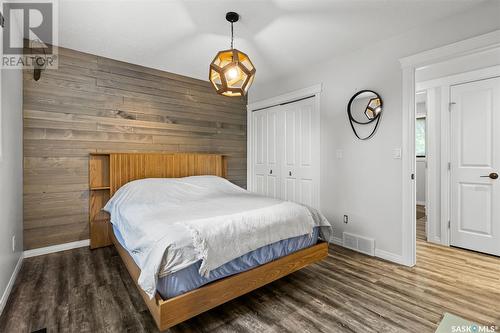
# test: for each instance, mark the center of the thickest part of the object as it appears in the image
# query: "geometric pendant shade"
(231, 73)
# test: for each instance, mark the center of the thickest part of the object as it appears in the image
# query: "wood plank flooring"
(421, 228)
(421, 222)
(90, 291)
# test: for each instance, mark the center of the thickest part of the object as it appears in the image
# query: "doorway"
(457, 143)
(478, 55)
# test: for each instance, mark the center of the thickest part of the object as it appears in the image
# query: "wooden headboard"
(109, 172)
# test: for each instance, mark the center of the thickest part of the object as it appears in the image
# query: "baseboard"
(8, 289)
(389, 256)
(436, 240)
(421, 203)
(395, 258)
(56, 248)
(338, 241)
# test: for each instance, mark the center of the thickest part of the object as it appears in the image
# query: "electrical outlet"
(346, 219)
(14, 243)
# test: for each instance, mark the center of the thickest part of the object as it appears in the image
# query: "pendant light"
(231, 72)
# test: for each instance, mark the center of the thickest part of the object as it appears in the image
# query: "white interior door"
(259, 151)
(273, 153)
(475, 160)
(300, 148)
(267, 171)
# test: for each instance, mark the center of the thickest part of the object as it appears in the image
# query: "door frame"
(443, 188)
(408, 67)
(311, 91)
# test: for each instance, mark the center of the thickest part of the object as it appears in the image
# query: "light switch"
(396, 153)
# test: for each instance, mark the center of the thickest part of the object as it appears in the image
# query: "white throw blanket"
(169, 224)
(220, 239)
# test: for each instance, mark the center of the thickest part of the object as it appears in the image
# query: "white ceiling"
(183, 36)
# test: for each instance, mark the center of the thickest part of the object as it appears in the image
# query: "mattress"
(188, 278)
(169, 224)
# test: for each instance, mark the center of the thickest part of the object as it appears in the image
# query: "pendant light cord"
(232, 35)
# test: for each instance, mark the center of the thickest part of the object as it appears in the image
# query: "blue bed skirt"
(188, 278)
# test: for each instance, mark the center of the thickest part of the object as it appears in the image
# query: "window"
(420, 137)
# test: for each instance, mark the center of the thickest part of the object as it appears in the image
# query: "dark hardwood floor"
(90, 291)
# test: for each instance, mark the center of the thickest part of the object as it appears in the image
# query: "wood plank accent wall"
(93, 104)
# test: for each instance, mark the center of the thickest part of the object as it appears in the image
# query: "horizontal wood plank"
(92, 104)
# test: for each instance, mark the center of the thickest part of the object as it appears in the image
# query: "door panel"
(475, 128)
(290, 190)
(290, 136)
(286, 147)
(475, 154)
(260, 151)
(273, 146)
(306, 191)
(306, 136)
(267, 171)
(260, 184)
(300, 146)
(474, 201)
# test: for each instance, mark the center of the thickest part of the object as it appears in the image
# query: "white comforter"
(170, 223)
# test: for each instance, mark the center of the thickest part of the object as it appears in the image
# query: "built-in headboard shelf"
(99, 194)
(109, 171)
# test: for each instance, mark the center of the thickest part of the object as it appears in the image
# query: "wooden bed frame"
(108, 172)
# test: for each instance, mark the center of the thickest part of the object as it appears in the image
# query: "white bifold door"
(475, 164)
(286, 152)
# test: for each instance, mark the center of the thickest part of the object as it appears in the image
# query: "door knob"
(492, 175)
(289, 173)
(271, 171)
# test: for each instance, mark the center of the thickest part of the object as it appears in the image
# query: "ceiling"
(279, 35)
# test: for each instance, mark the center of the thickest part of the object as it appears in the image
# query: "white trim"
(459, 49)
(338, 241)
(315, 91)
(297, 94)
(433, 151)
(389, 256)
(8, 288)
(436, 240)
(408, 169)
(421, 203)
(445, 157)
(409, 65)
(56, 248)
(250, 153)
(474, 75)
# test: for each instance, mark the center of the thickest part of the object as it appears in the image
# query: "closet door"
(301, 149)
(267, 171)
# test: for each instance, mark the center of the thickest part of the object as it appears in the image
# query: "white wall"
(11, 174)
(420, 172)
(420, 180)
(366, 182)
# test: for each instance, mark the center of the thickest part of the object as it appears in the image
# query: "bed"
(190, 239)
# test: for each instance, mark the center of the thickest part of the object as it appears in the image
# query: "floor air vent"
(359, 243)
